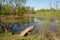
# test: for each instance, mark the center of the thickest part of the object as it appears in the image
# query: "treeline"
(14, 7)
(48, 10)
(19, 10)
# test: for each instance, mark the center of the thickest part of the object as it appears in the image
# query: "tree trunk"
(26, 30)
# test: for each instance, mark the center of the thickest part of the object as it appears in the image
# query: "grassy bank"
(46, 35)
(8, 36)
(51, 13)
(14, 19)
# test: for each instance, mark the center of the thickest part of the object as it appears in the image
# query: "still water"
(39, 25)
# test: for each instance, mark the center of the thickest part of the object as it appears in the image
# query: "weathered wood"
(26, 30)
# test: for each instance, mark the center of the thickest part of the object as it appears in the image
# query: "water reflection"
(39, 25)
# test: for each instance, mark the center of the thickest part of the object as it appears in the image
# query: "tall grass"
(46, 34)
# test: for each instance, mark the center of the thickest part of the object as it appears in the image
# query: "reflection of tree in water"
(24, 20)
(40, 25)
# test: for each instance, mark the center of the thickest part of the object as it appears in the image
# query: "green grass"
(5, 36)
(46, 13)
(8, 36)
(35, 37)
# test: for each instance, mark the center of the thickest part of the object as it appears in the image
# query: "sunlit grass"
(8, 36)
(49, 14)
(5, 36)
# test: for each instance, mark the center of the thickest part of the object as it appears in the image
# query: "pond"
(39, 23)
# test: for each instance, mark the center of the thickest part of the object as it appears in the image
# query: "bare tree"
(56, 4)
(50, 4)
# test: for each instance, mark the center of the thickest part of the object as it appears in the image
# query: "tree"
(56, 4)
(13, 2)
(32, 10)
(50, 4)
(20, 10)
(4, 10)
(27, 9)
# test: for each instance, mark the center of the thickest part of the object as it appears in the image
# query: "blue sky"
(39, 4)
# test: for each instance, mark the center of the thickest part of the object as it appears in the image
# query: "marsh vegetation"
(14, 18)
